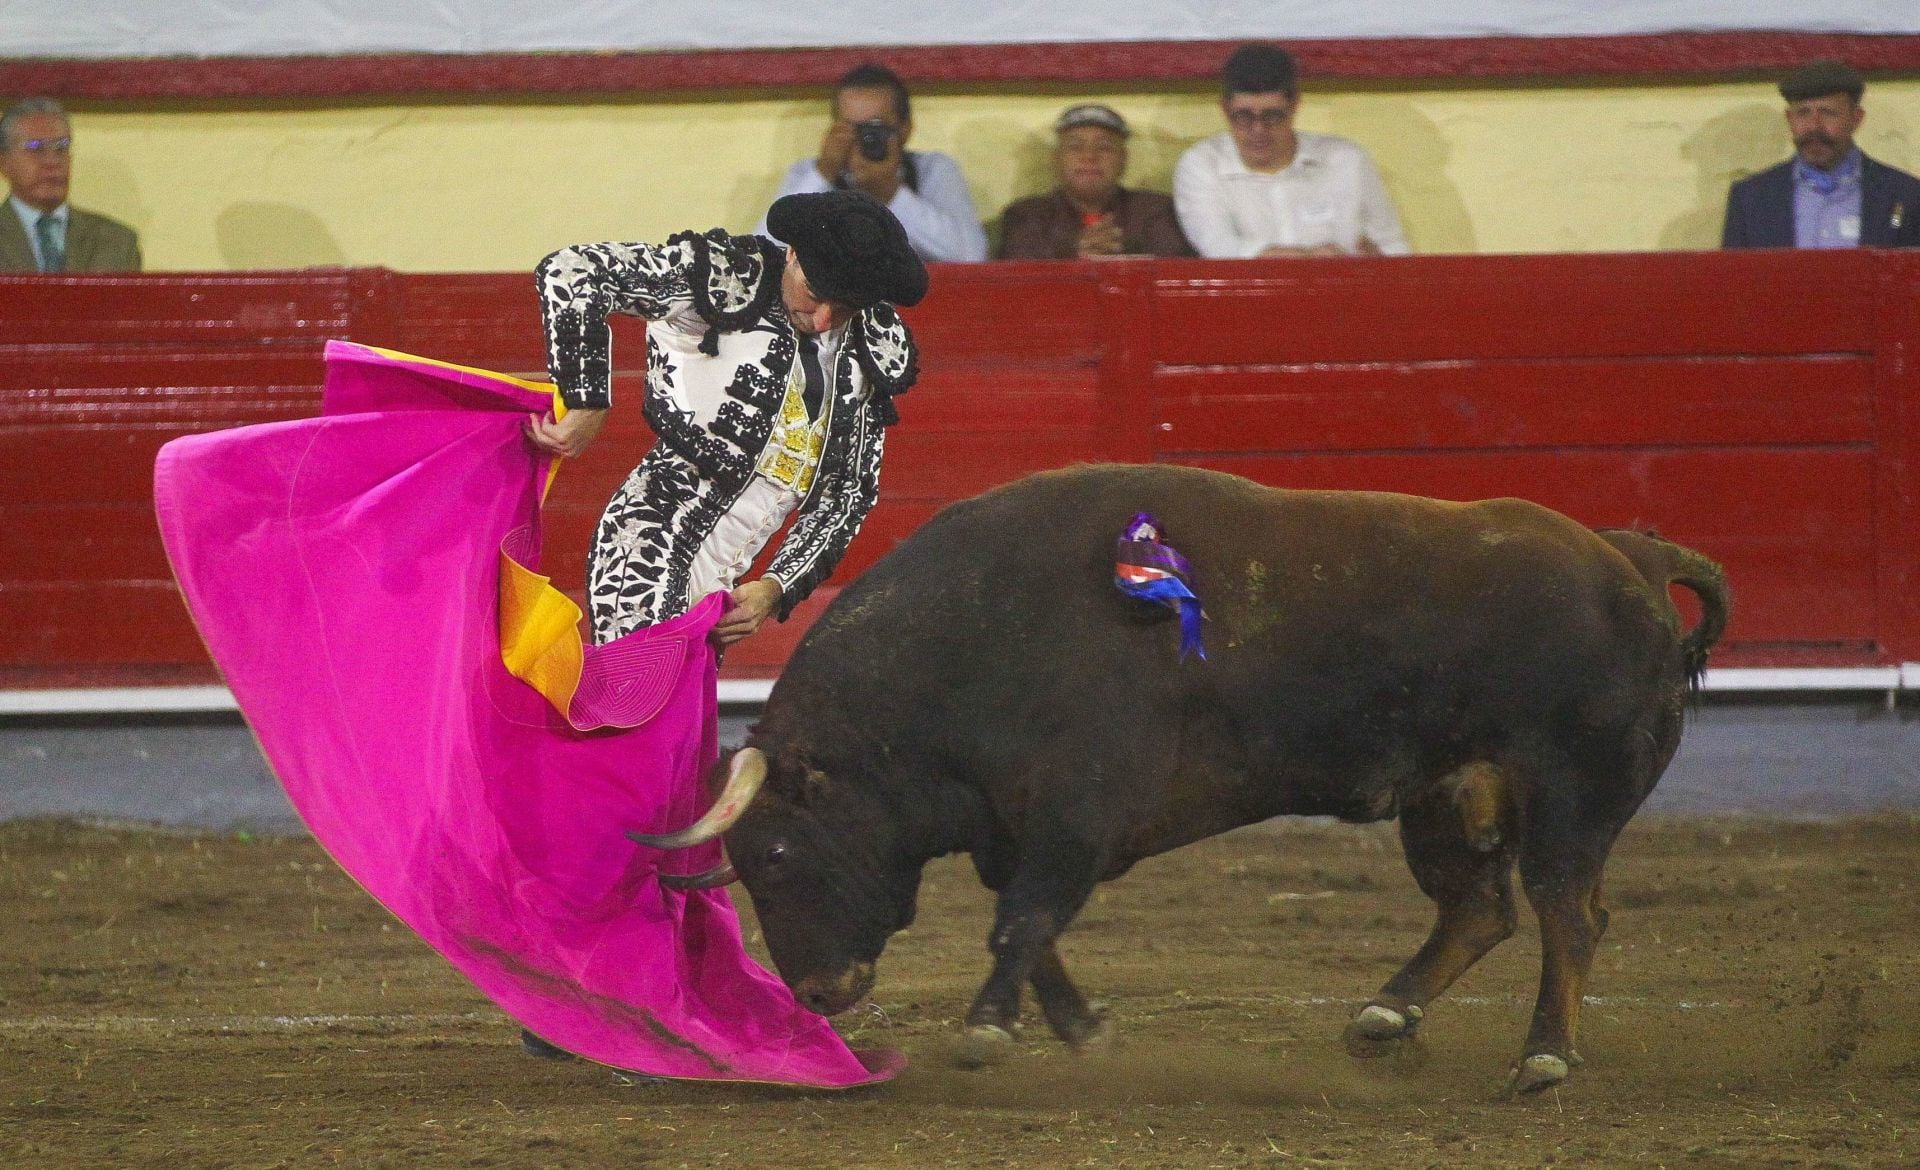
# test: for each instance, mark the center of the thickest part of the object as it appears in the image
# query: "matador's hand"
(752, 603)
(567, 437)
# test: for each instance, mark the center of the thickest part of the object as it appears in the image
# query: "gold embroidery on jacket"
(792, 454)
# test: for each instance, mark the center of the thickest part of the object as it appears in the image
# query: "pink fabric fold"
(344, 573)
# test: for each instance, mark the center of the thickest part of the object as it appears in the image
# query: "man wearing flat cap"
(771, 372)
(1088, 213)
(1829, 194)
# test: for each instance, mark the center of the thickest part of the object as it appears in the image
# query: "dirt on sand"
(211, 1001)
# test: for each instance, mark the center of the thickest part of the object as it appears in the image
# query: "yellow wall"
(445, 186)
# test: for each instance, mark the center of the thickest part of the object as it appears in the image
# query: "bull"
(1507, 683)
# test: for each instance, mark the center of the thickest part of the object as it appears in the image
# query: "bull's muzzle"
(829, 995)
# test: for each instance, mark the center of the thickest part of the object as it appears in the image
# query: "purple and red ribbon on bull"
(1146, 567)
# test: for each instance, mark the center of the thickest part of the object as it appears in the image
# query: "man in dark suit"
(39, 231)
(1829, 195)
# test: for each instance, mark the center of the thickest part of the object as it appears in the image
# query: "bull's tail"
(1663, 562)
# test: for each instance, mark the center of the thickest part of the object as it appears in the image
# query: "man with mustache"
(1830, 194)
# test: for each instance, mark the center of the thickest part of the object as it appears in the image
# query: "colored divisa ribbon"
(1151, 570)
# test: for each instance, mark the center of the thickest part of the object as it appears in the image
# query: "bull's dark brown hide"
(1506, 681)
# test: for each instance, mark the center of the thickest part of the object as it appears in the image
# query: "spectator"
(44, 233)
(865, 149)
(1265, 189)
(1829, 194)
(1089, 213)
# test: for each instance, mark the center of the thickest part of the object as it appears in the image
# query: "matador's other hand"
(752, 603)
(566, 437)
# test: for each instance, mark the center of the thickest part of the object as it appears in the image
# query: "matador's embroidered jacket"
(720, 351)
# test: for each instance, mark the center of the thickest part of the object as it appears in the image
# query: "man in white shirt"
(1266, 189)
(865, 149)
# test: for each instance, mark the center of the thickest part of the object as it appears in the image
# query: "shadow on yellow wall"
(1413, 156)
(494, 185)
(1018, 160)
(275, 235)
(1732, 146)
(112, 186)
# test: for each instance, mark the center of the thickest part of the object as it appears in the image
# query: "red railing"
(1447, 60)
(1762, 407)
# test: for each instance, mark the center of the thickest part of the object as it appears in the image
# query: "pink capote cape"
(345, 572)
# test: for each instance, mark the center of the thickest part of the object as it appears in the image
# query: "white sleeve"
(1200, 205)
(1379, 222)
(801, 178)
(939, 217)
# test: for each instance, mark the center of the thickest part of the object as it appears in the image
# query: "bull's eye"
(776, 853)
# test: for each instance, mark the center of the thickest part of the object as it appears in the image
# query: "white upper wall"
(212, 28)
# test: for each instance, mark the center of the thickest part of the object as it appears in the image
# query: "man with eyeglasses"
(41, 232)
(1266, 189)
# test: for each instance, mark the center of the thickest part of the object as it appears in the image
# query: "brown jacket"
(1047, 227)
(94, 243)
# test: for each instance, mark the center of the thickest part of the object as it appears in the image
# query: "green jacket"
(94, 243)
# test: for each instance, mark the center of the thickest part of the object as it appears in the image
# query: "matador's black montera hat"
(851, 248)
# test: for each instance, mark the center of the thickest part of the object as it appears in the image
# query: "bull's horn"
(748, 772)
(711, 879)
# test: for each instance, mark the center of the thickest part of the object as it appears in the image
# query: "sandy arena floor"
(210, 1001)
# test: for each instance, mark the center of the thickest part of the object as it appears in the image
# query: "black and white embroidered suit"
(720, 351)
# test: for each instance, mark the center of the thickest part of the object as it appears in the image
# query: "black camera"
(873, 136)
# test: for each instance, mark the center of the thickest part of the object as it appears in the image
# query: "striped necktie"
(53, 257)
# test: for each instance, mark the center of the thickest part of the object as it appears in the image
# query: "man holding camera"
(865, 150)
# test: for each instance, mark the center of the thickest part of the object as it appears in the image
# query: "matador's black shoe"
(534, 1046)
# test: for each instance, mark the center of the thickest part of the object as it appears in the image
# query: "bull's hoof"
(988, 1034)
(1378, 1030)
(1543, 1070)
(1090, 1031)
(1379, 1022)
(984, 1044)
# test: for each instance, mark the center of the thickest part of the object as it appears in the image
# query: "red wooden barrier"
(1763, 407)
